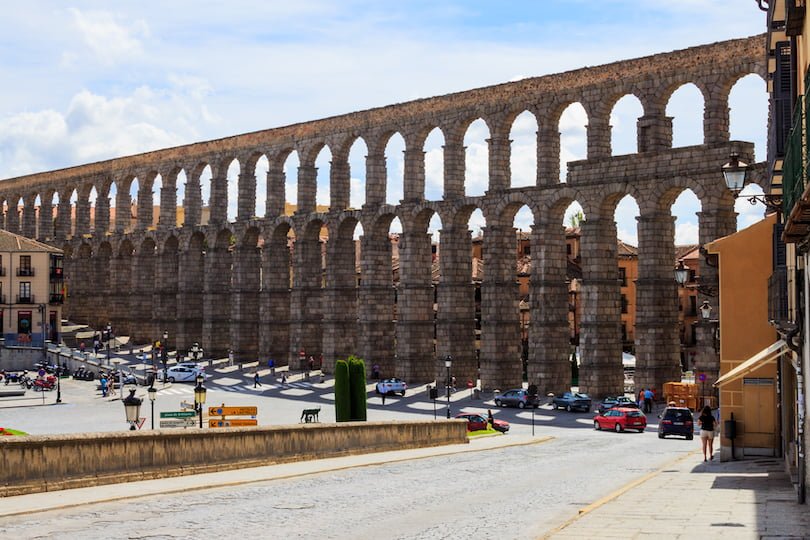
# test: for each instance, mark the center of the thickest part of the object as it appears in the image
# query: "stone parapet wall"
(49, 463)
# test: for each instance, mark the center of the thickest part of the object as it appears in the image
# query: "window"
(57, 270)
(527, 250)
(25, 292)
(25, 266)
(623, 278)
(624, 304)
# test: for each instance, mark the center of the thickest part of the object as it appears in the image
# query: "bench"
(12, 393)
(310, 415)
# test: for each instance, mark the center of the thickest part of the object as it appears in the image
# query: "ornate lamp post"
(132, 408)
(735, 173)
(448, 362)
(152, 391)
(199, 397)
(165, 353)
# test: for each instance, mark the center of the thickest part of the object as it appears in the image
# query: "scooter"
(44, 384)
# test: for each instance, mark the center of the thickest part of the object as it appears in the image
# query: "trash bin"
(476, 393)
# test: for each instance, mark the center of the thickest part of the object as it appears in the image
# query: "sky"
(91, 80)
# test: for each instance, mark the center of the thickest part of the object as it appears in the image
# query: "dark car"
(676, 421)
(572, 401)
(517, 398)
(618, 401)
(620, 418)
(477, 422)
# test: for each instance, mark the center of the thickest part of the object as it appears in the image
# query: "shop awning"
(760, 359)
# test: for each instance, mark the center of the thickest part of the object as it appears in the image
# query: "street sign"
(702, 377)
(232, 411)
(186, 405)
(177, 423)
(232, 423)
(177, 414)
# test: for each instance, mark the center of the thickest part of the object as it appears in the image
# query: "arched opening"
(180, 188)
(748, 113)
(573, 127)
(260, 176)
(476, 160)
(434, 165)
(205, 194)
(92, 201)
(234, 168)
(687, 251)
(627, 254)
(74, 197)
(323, 163)
(357, 170)
(747, 213)
(624, 125)
(291, 165)
(134, 189)
(686, 106)
(523, 159)
(395, 169)
(523, 223)
(38, 216)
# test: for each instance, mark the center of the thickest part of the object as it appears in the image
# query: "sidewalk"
(692, 499)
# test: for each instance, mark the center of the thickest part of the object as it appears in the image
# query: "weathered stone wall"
(53, 462)
(276, 302)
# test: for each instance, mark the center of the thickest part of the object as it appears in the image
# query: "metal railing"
(778, 295)
(793, 169)
(25, 272)
(29, 299)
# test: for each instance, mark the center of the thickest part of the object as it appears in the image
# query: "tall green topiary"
(357, 386)
(343, 406)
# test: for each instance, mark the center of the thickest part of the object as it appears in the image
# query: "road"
(513, 492)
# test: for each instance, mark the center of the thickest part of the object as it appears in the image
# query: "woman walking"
(706, 422)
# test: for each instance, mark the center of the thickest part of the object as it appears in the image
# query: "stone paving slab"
(692, 499)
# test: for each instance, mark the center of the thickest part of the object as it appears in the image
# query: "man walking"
(256, 379)
(648, 399)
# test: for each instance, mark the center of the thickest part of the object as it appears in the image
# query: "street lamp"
(132, 408)
(165, 353)
(109, 339)
(152, 391)
(735, 173)
(706, 310)
(448, 362)
(199, 397)
(681, 274)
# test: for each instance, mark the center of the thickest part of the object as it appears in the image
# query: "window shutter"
(783, 104)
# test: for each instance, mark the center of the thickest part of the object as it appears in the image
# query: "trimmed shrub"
(357, 387)
(343, 407)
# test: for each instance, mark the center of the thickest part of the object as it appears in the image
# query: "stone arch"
(523, 155)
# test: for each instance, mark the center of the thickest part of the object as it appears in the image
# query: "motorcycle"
(44, 384)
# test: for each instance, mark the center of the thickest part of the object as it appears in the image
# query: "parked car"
(517, 398)
(676, 421)
(620, 419)
(618, 401)
(181, 374)
(572, 401)
(391, 386)
(477, 422)
(192, 365)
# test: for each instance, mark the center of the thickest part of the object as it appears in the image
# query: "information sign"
(177, 414)
(177, 423)
(232, 411)
(232, 423)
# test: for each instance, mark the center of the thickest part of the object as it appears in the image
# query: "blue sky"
(88, 80)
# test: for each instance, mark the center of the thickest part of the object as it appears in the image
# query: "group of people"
(646, 397)
(107, 384)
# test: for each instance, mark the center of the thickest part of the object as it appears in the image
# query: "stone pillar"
(61, 228)
(145, 205)
(716, 118)
(216, 301)
(80, 281)
(246, 200)
(218, 203)
(168, 202)
(713, 223)
(455, 324)
(123, 203)
(414, 177)
(454, 166)
(306, 298)
(45, 222)
(143, 280)
(375, 308)
(82, 214)
(14, 218)
(276, 178)
(245, 303)
(599, 136)
(549, 337)
(500, 168)
(307, 188)
(101, 222)
(500, 312)
(121, 292)
(190, 278)
(601, 371)
(29, 221)
(340, 325)
(657, 341)
(376, 178)
(339, 183)
(416, 358)
(548, 155)
(192, 201)
(164, 297)
(274, 330)
(101, 313)
(654, 132)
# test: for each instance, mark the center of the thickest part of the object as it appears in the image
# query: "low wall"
(52, 462)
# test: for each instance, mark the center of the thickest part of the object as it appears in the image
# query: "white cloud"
(686, 233)
(106, 38)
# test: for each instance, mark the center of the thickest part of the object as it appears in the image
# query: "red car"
(476, 422)
(619, 419)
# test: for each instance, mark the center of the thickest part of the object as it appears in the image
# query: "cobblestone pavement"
(514, 492)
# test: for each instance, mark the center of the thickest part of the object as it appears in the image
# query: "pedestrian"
(284, 378)
(81, 347)
(490, 419)
(375, 371)
(641, 399)
(256, 379)
(272, 365)
(383, 398)
(706, 422)
(103, 383)
(648, 400)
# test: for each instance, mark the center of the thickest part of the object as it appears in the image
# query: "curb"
(585, 510)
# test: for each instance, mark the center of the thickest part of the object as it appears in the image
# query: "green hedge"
(357, 388)
(343, 407)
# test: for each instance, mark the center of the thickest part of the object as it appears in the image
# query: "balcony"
(795, 203)
(2, 271)
(26, 299)
(25, 272)
(794, 17)
(56, 298)
(57, 273)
